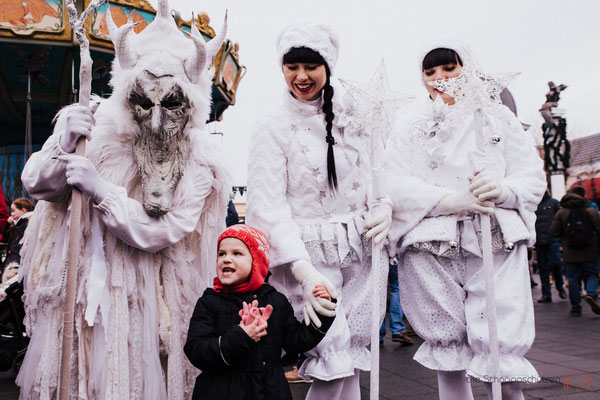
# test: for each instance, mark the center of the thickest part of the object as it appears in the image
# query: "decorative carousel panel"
(229, 71)
(141, 12)
(34, 19)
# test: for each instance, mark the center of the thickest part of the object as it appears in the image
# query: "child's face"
(234, 262)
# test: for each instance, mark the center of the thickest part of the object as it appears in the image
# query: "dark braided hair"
(309, 56)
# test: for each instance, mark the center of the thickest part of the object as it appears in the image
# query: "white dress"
(441, 279)
(289, 199)
(139, 276)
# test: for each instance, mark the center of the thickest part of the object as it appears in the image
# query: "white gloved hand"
(82, 174)
(309, 277)
(79, 122)
(464, 201)
(379, 221)
(486, 185)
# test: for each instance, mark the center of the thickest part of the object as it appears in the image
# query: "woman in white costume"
(314, 188)
(461, 155)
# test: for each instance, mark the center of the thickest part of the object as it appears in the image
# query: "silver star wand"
(374, 105)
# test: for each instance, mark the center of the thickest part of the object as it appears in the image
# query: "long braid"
(329, 115)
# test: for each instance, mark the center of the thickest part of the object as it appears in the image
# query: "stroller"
(13, 338)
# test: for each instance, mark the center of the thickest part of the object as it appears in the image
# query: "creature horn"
(120, 39)
(163, 9)
(197, 62)
(215, 44)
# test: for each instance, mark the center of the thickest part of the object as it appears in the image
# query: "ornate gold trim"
(202, 23)
(64, 35)
(228, 49)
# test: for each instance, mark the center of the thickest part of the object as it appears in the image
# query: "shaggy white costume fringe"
(139, 276)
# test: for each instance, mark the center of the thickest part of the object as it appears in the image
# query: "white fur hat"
(318, 37)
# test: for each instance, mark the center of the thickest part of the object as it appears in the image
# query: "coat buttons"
(495, 139)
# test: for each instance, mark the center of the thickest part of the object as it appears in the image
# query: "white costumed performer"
(312, 166)
(155, 205)
(463, 154)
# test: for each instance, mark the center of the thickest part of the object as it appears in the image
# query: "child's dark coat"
(234, 366)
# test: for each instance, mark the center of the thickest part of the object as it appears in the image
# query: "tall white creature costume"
(149, 227)
(307, 222)
(432, 158)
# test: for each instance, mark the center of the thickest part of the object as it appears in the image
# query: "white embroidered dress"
(289, 199)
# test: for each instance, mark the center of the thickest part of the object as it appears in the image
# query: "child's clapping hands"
(254, 319)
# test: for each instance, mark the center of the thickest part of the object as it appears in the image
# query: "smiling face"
(445, 71)
(305, 80)
(234, 262)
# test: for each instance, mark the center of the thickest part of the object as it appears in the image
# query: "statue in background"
(557, 148)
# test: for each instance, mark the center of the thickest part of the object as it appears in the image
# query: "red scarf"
(257, 243)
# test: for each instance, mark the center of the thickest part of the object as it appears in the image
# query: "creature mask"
(161, 111)
(168, 70)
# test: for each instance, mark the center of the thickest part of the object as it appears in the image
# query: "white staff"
(85, 88)
(478, 164)
(376, 104)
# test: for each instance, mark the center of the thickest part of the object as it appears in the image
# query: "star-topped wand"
(374, 105)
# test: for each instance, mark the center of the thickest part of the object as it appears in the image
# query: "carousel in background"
(40, 63)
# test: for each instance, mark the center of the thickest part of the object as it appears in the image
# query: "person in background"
(232, 215)
(580, 191)
(394, 310)
(20, 211)
(578, 225)
(547, 249)
(3, 214)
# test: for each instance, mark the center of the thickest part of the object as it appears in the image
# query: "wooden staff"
(73, 250)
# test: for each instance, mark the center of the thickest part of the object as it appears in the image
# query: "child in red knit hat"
(240, 326)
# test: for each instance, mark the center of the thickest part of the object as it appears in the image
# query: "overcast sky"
(545, 40)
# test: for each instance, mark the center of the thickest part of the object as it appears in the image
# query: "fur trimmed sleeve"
(125, 217)
(268, 206)
(412, 197)
(44, 177)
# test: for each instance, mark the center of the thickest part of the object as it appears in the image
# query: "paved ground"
(566, 354)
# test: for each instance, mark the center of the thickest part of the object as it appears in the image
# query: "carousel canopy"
(40, 63)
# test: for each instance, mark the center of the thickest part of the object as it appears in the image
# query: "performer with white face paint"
(313, 189)
(156, 197)
(460, 156)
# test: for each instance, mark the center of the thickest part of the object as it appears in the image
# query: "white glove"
(79, 122)
(309, 277)
(464, 201)
(488, 186)
(379, 221)
(82, 174)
